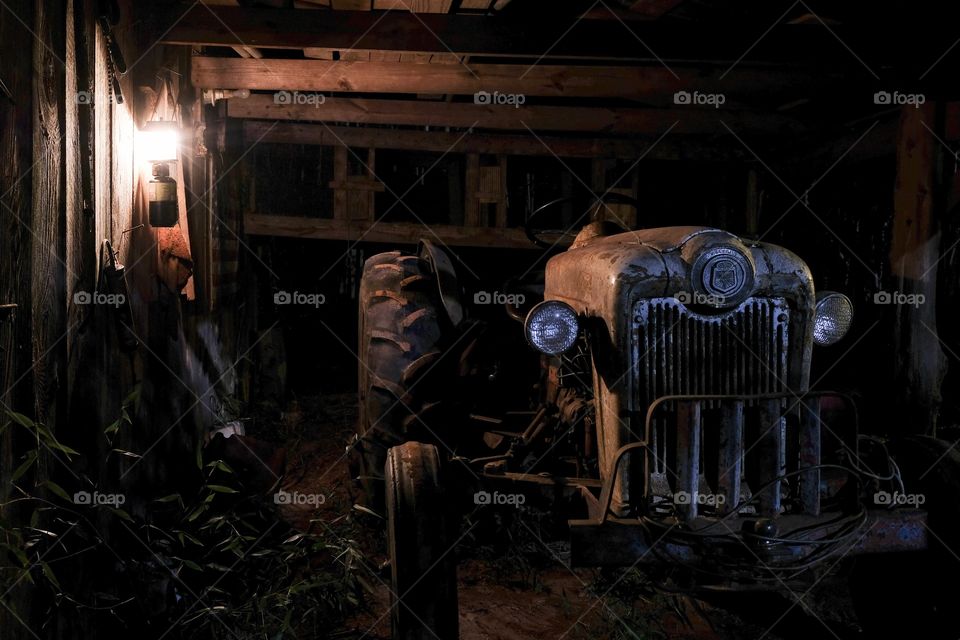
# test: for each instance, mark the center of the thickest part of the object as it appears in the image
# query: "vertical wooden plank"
(103, 156)
(340, 204)
(502, 201)
(74, 198)
(471, 205)
(752, 205)
(48, 290)
(16, 245)
(914, 254)
(16, 145)
(372, 175)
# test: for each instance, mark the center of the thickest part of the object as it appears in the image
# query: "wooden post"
(752, 204)
(914, 253)
(354, 195)
(47, 220)
(471, 204)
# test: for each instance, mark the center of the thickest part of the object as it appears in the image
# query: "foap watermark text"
(696, 98)
(486, 498)
(495, 297)
(898, 298)
(96, 499)
(298, 98)
(692, 297)
(895, 98)
(496, 98)
(96, 297)
(297, 297)
(297, 498)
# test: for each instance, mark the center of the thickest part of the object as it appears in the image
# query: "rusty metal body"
(700, 345)
(624, 285)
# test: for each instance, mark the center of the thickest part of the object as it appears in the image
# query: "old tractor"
(668, 412)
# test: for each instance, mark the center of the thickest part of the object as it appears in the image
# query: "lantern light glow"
(159, 141)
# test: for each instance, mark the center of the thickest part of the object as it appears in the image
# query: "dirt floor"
(517, 586)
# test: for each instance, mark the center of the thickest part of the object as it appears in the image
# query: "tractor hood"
(599, 275)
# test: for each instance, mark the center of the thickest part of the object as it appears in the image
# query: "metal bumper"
(627, 542)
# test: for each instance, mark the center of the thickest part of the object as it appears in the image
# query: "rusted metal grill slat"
(688, 457)
(769, 453)
(730, 464)
(740, 352)
(810, 455)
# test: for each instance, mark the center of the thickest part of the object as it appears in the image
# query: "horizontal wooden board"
(386, 232)
(505, 117)
(558, 34)
(523, 144)
(648, 83)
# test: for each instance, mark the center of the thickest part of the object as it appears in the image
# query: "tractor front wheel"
(421, 535)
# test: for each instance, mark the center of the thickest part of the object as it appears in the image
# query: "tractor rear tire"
(402, 373)
(421, 534)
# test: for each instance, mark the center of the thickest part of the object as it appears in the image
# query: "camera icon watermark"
(495, 297)
(696, 98)
(96, 499)
(701, 499)
(897, 499)
(898, 298)
(515, 100)
(299, 499)
(486, 498)
(314, 300)
(96, 297)
(895, 98)
(298, 98)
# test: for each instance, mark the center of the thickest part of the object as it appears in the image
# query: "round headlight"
(551, 327)
(834, 316)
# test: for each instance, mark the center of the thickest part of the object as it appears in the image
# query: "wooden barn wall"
(70, 178)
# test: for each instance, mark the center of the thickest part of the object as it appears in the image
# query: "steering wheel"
(548, 238)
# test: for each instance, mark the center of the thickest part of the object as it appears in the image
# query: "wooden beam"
(554, 34)
(914, 259)
(386, 232)
(650, 83)
(417, 6)
(535, 118)
(400, 31)
(257, 131)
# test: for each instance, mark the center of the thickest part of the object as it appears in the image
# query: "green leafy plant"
(219, 561)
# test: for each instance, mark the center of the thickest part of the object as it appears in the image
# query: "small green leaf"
(21, 556)
(21, 419)
(191, 564)
(129, 454)
(48, 572)
(219, 488)
(221, 465)
(22, 469)
(120, 513)
(364, 509)
(57, 490)
(56, 444)
(197, 513)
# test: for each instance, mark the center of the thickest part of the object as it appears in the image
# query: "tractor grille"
(739, 352)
